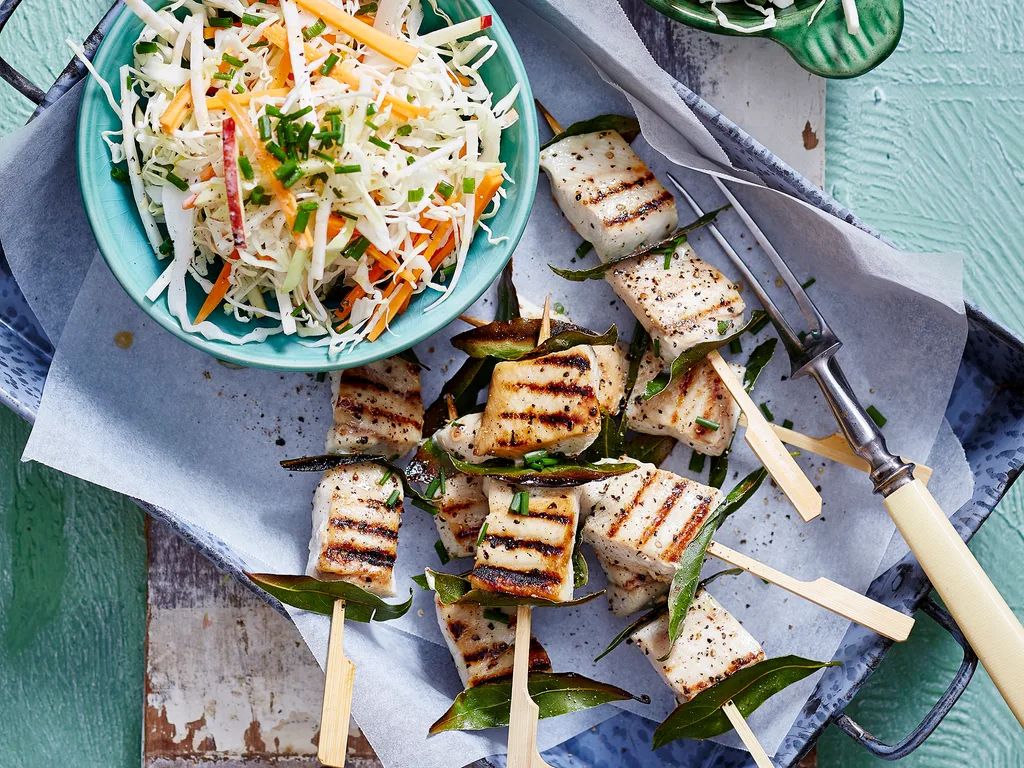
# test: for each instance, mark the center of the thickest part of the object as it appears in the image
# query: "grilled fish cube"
(461, 510)
(629, 592)
(548, 403)
(528, 555)
(607, 193)
(378, 408)
(713, 645)
(645, 518)
(484, 648)
(611, 361)
(459, 438)
(355, 529)
(682, 306)
(673, 411)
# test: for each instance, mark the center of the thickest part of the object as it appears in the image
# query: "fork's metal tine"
(814, 318)
(789, 337)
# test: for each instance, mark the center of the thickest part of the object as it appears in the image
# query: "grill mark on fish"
(539, 662)
(734, 666)
(563, 420)
(663, 512)
(487, 652)
(457, 506)
(622, 186)
(456, 628)
(372, 529)
(552, 388)
(359, 409)
(468, 533)
(693, 319)
(512, 543)
(343, 553)
(364, 382)
(552, 516)
(675, 550)
(649, 207)
(579, 362)
(622, 515)
(508, 580)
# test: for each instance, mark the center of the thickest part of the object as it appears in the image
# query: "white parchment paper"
(164, 423)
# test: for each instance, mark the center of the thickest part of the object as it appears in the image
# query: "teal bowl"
(122, 241)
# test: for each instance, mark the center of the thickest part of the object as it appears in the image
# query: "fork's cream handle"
(986, 620)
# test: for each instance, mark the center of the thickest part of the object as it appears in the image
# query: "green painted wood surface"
(927, 148)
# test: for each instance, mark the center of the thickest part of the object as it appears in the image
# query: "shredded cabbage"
(376, 158)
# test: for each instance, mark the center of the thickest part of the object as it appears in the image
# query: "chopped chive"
(549, 461)
(252, 20)
(433, 488)
(233, 61)
(876, 416)
(321, 376)
(257, 197)
(415, 195)
(344, 329)
(810, 281)
(447, 272)
(276, 151)
(404, 130)
(379, 142)
(120, 174)
(483, 533)
(349, 216)
(323, 155)
(494, 614)
(338, 136)
(264, 124)
(583, 249)
(559, 308)
(225, 76)
(259, 44)
(328, 66)
(392, 499)
(313, 30)
(239, 88)
(304, 136)
(285, 170)
(408, 97)
(524, 503)
(535, 455)
(410, 160)
(723, 327)
(707, 423)
(787, 424)
(767, 412)
(301, 221)
(371, 125)
(356, 250)
(220, 22)
(517, 499)
(371, 109)
(668, 260)
(366, 8)
(274, 111)
(348, 168)
(333, 110)
(245, 167)
(177, 181)
(291, 180)
(735, 346)
(757, 327)
(441, 476)
(697, 462)
(469, 186)
(166, 246)
(146, 47)
(657, 347)
(442, 553)
(298, 311)
(298, 113)
(445, 190)
(307, 205)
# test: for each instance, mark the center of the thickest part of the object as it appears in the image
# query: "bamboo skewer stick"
(474, 321)
(337, 710)
(851, 605)
(523, 713)
(749, 739)
(554, 125)
(768, 448)
(836, 448)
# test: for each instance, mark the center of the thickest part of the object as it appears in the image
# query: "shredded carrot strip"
(284, 69)
(268, 163)
(397, 50)
(174, 115)
(216, 295)
(218, 101)
(207, 174)
(278, 37)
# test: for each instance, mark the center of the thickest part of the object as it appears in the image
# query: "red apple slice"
(233, 182)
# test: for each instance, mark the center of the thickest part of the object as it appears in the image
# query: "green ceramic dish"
(825, 47)
(118, 229)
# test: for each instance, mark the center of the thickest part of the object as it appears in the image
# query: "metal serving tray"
(986, 410)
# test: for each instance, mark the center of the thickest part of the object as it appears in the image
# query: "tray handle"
(70, 75)
(941, 708)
